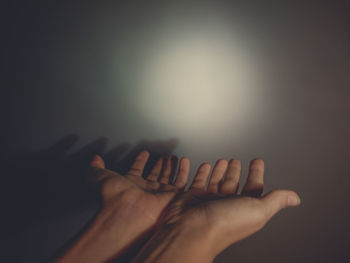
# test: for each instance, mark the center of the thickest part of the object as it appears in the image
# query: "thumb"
(276, 200)
(97, 162)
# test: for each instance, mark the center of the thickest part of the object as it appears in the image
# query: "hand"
(148, 195)
(131, 205)
(202, 222)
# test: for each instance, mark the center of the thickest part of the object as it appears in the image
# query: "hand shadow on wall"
(37, 186)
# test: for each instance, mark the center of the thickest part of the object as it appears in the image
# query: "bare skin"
(131, 206)
(202, 222)
(192, 226)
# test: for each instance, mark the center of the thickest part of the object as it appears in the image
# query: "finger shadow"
(43, 184)
(156, 149)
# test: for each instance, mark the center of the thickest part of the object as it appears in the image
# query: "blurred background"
(202, 79)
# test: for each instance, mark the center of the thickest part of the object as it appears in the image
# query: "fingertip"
(279, 199)
(97, 162)
(257, 162)
(206, 166)
(144, 154)
(293, 199)
(235, 162)
(221, 162)
(185, 161)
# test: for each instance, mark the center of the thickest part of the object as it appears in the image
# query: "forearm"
(177, 244)
(110, 234)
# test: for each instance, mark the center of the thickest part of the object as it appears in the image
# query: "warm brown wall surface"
(63, 101)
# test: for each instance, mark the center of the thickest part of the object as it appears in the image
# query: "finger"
(169, 170)
(173, 166)
(231, 179)
(98, 172)
(276, 200)
(156, 170)
(255, 181)
(139, 164)
(217, 175)
(183, 173)
(97, 162)
(200, 180)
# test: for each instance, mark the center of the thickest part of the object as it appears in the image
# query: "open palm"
(130, 208)
(217, 207)
(140, 199)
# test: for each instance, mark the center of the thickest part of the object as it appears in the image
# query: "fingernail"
(293, 200)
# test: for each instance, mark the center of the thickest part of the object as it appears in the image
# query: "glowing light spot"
(196, 82)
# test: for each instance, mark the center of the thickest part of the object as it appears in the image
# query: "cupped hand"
(131, 206)
(140, 200)
(217, 213)
(149, 194)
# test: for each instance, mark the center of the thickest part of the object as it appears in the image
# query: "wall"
(70, 91)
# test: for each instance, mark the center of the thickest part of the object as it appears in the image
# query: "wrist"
(109, 235)
(178, 243)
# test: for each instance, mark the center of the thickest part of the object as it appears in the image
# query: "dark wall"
(66, 71)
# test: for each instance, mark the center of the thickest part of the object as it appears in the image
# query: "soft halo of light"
(197, 82)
